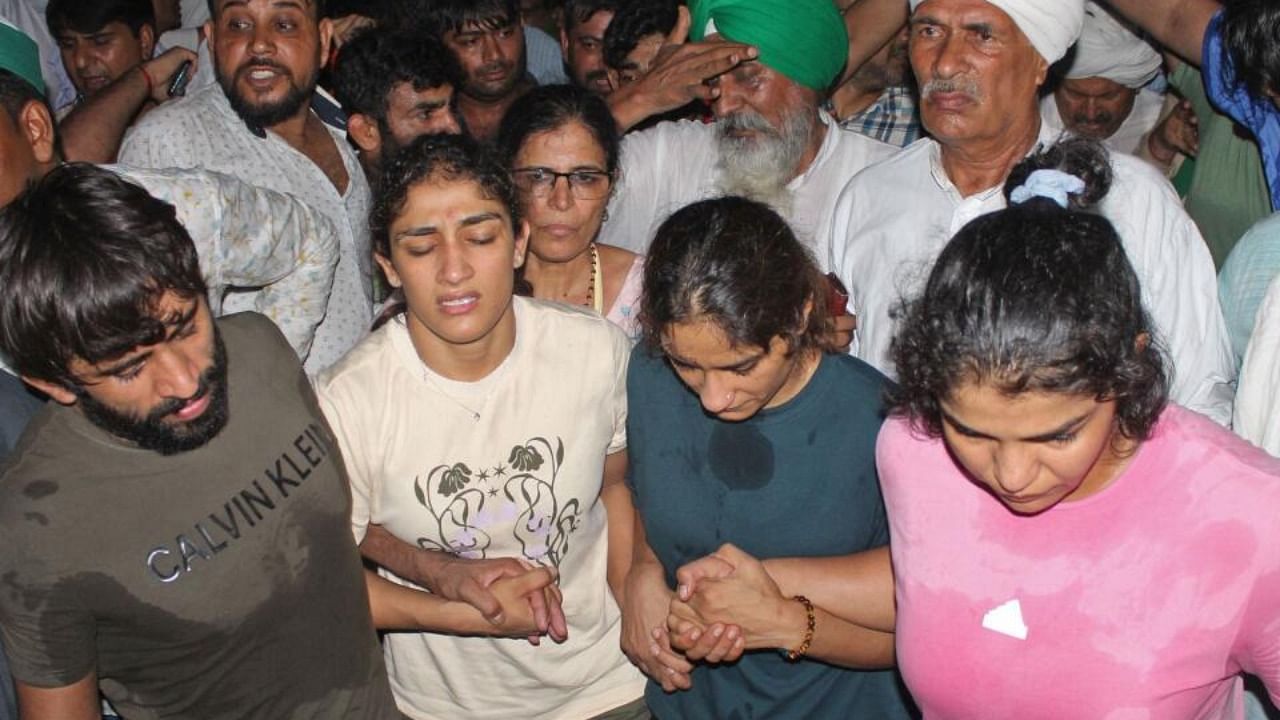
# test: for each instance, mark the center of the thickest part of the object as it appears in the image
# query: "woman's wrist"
(788, 631)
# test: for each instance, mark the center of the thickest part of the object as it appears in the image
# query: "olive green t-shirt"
(217, 583)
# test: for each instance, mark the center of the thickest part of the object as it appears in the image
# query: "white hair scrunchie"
(1055, 185)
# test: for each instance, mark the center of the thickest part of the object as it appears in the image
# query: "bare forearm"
(395, 607)
(871, 24)
(407, 561)
(836, 640)
(1179, 25)
(857, 588)
(622, 519)
(94, 129)
(77, 701)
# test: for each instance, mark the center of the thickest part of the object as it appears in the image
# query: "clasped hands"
(724, 604)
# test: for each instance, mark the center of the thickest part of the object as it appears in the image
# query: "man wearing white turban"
(980, 65)
(1102, 95)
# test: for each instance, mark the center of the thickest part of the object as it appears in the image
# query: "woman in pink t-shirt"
(1065, 543)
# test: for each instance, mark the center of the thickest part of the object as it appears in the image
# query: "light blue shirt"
(1244, 278)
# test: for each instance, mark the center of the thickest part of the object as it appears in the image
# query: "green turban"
(802, 39)
(19, 55)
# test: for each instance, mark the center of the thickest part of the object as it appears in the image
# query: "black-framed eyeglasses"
(540, 181)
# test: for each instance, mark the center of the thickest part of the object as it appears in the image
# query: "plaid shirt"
(893, 118)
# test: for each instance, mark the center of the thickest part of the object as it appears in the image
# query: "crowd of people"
(632, 359)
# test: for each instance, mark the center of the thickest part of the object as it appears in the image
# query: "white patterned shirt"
(250, 237)
(202, 131)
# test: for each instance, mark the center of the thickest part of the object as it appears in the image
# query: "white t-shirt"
(509, 466)
(673, 164)
(892, 221)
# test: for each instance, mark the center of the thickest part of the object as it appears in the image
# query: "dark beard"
(257, 115)
(152, 432)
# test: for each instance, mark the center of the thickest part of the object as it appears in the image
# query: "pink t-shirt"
(1141, 602)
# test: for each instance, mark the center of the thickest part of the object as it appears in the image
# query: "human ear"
(38, 128)
(522, 242)
(364, 132)
(147, 41)
(58, 392)
(388, 269)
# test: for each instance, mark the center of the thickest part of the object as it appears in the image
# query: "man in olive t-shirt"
(176, 525)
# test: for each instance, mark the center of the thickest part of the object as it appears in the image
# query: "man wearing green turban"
(805, 41)
(771, 141)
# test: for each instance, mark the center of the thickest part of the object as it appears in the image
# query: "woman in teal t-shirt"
(744, 427)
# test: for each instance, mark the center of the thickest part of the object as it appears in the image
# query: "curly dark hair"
(371, 65)
(1251, 34)
(1034, 298)
(737, 263)
(451, 158)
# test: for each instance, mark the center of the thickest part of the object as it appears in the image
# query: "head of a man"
(1251, 34)
(100, 41)
(767, 108)
(267, 55)
(1093, 107)
(1108, 66)
(636, 35)
(395, 87)
(127, 338)
(28, 140)
(889, 67)
(582, 30)
(487, 40)
(980, 64)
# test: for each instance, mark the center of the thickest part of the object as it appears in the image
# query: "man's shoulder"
(195, 111)
(851, 144)
(899, 166)
(1135, 182)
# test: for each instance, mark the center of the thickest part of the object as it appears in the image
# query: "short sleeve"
(49, 635)
(621, 347)
(342, 415)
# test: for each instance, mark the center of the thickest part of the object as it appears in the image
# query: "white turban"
(1108, 49)
(1052, 26)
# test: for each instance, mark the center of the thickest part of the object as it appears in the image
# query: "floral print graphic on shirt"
(517, 495)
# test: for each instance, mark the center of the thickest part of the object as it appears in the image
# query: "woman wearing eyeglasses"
(561, 145)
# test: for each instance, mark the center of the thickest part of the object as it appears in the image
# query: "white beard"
(760, 167)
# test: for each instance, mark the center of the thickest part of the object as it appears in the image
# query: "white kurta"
(1257, 417)
(674, 164)
(892, 221)
(202, 131)
(1128, 137)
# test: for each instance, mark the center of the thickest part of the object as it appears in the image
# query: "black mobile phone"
(178, 83)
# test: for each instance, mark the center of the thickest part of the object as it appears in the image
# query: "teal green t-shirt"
(797, 480)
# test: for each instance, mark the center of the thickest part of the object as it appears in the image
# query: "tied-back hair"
(448, 158)
(736, 263)
(550, 107)
(1034, 298)
(85, 258)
